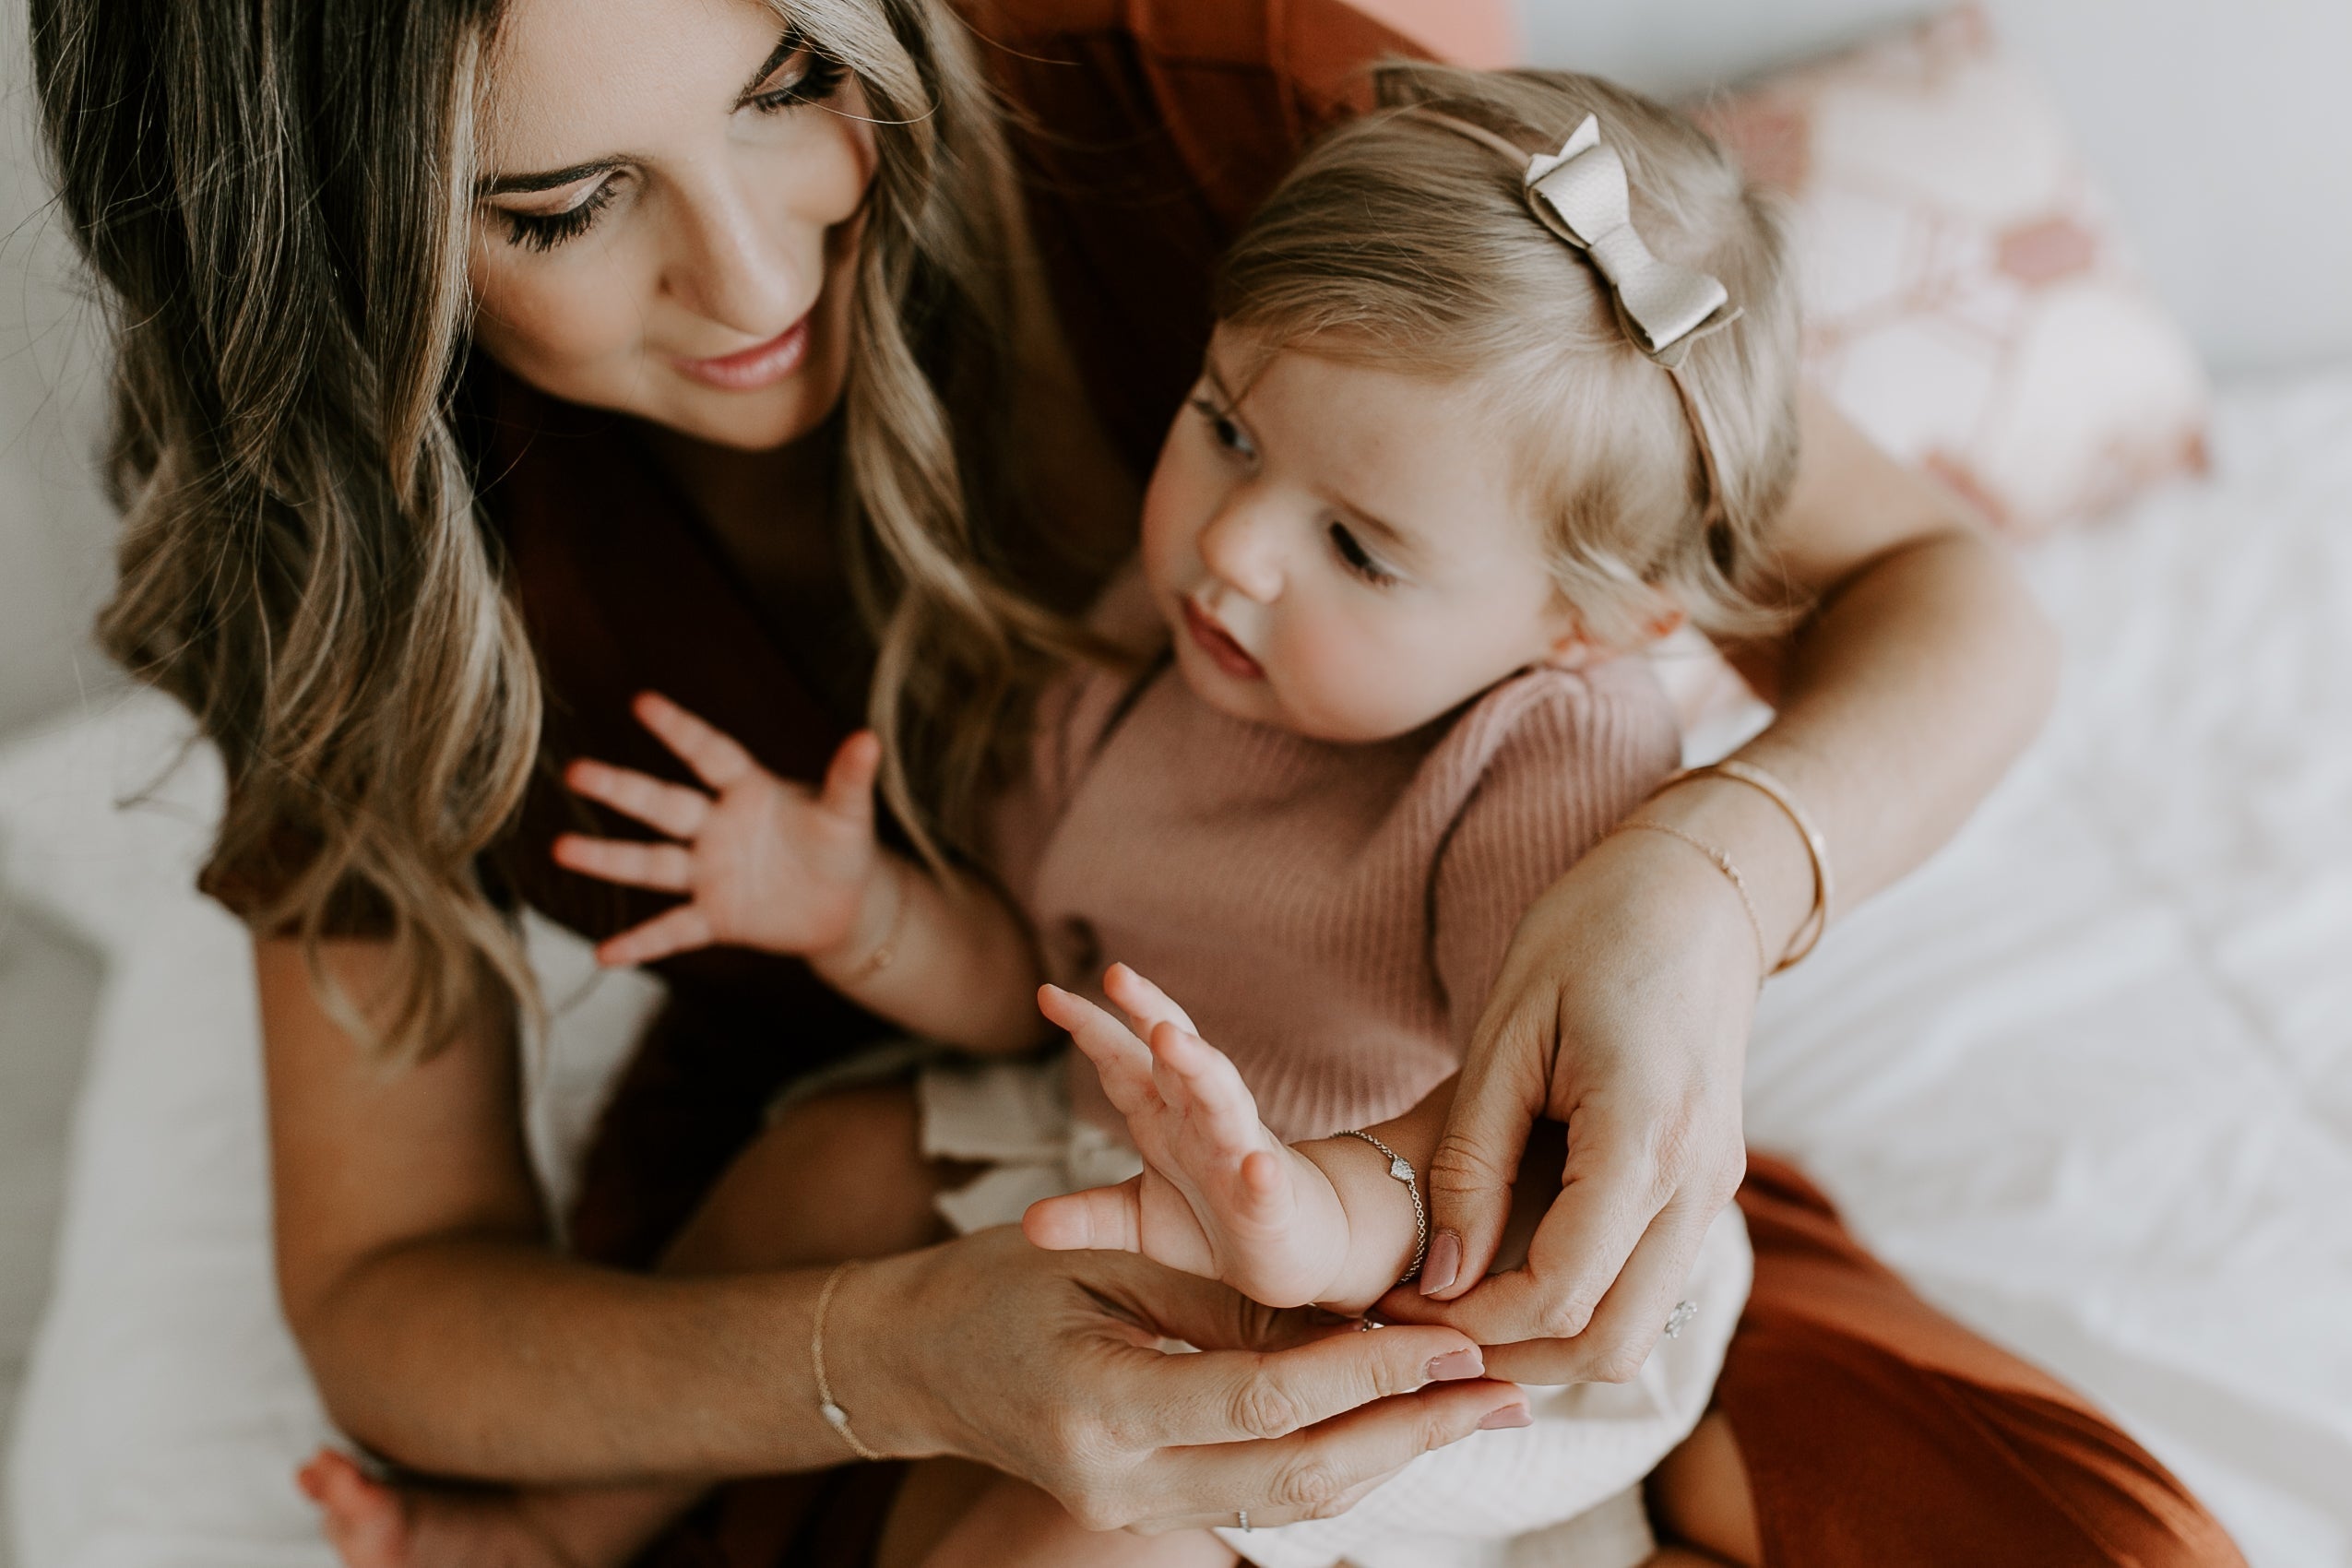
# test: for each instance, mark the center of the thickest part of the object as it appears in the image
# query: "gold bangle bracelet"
(1809, 931)
(830, 1408)
(1722, 863)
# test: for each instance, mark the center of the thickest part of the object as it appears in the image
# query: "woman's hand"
(761, 861)
(1046, 1366)
(1622, 1011)
(1623, 1006)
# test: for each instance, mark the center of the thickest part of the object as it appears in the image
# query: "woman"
(481, 365)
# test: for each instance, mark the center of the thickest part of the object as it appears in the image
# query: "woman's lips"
(1218, 643)
(749, 370)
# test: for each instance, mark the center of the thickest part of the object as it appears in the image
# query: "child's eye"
(1225, 428)
(544, 231)
(1357, 559)
(808, 76)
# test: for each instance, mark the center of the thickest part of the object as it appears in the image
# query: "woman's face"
(668, 214)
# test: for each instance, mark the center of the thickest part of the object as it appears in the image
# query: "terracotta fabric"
(1878, 1432)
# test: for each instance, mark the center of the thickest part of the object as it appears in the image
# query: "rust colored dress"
(1876, 1431)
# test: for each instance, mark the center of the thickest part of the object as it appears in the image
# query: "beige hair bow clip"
(1580, 193)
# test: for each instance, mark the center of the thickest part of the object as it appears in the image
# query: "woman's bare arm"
(1624, 1004)
(447, 1332)
(443, 1328)
(1921, 672)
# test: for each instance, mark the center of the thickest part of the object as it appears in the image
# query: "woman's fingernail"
(1455, 1365)
(1509, 1415)
(1445, 1261)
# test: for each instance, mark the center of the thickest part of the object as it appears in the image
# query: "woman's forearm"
(1901, 704)
(442, 1327)
(495, 1358)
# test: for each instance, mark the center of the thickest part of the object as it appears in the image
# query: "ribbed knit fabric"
(1331, 915)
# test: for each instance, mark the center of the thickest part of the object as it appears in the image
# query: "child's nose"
(1239, 547)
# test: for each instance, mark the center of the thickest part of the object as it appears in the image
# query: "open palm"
(762, 861)
(1220, 1195)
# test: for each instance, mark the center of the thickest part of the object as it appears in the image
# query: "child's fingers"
(674, 930)
(716, 758)
(1123, 1061)
(665, 868)
(848, 782)
(1193, 1073)
(673, 808)
(1144, 1002)
(1102, 1219)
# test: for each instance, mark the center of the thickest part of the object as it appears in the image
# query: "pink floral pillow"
(1968, 301)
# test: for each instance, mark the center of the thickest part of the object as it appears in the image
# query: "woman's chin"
(747, 422)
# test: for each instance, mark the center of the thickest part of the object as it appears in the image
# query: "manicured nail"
(1455, 1365)
(1445, 1261)
(1509, 1415)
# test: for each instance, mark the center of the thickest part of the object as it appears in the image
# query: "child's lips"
(1217, 642)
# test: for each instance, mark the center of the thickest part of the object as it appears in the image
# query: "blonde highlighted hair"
(1400, 242)
(278, 199)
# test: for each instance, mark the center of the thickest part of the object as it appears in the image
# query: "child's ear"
(1573, 650)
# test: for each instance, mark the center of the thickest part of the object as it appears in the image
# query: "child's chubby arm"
(767, 863)
(1321, 1221)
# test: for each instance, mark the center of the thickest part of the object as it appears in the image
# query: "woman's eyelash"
(1357, 559)
(821, 76)
(544, 231)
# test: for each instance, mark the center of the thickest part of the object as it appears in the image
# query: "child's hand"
(1219, 1194)
(764, 863)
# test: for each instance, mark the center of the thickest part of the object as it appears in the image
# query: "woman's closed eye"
(1357, 559)
(800, 75)
(804, 75)
(545, 231)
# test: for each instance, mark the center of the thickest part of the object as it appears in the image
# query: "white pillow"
(165, 1406)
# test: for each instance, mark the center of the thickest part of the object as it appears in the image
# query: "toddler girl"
(1502, 389)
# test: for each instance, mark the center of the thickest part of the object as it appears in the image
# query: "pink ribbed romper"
(1331, 915)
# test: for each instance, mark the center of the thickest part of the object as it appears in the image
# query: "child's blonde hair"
(1403, 243)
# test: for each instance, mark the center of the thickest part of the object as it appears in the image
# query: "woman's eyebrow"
(555, 179)
(551, 179)
(786, 47)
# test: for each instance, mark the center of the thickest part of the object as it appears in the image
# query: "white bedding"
(2086, 1078)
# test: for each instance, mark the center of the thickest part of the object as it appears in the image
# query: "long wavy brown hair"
(275, 197)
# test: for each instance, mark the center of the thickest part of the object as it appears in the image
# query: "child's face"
(1341, 551)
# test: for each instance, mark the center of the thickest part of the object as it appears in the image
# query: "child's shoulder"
(1570, 745)
(1615, 705)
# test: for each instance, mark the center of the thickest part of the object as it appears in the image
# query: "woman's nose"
(730, 266)
(1239, 547)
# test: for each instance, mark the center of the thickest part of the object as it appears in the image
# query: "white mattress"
(2086, 1078)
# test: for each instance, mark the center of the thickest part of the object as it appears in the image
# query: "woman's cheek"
(556, 325)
